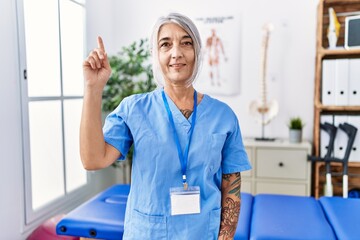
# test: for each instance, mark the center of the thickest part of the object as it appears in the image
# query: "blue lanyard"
(182, 157)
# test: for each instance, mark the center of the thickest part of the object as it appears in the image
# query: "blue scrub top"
(216, 148)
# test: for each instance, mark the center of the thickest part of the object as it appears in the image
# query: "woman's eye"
(164, 45)
(187, 43)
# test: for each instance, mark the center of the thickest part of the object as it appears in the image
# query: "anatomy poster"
(220, 72)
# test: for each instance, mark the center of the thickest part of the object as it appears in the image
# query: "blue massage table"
(289, 217)
(102, 217)
(344, 213)
(263, 216)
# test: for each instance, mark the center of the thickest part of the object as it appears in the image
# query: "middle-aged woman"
(188, 149)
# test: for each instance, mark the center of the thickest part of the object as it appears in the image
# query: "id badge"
(185, 201)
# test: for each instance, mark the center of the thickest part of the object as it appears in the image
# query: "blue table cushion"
(243, 227)
(288, 217)
(343, 215)
(106, 222)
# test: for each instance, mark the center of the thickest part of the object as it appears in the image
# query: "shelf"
(336, 179)
(339, 53)
(330, 3)
(337, 108)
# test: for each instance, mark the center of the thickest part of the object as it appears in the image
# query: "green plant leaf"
(296, 123)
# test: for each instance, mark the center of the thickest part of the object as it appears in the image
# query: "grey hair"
(190, 28)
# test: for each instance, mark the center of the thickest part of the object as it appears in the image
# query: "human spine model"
(263, 110)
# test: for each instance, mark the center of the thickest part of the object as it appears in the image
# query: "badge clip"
(185, 183)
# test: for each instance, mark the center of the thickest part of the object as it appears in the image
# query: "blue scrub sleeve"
(116, 132)
(235, 158)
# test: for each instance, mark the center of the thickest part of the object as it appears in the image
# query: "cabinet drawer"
(281, 188)
(282, 163)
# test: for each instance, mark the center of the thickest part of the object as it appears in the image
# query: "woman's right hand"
(95, 153)
(96, 68)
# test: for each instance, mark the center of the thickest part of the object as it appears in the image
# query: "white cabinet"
(279, 167)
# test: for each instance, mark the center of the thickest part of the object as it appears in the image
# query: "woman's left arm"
(230, 203)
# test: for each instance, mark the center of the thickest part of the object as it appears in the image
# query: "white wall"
(291, 51)
(11, 200)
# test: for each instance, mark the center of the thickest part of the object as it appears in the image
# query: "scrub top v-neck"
(216, 148)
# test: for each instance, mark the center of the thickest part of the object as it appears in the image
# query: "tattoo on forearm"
(186, 112)
(235, 185)
(229, 217)
(226, 177)
(230, 205)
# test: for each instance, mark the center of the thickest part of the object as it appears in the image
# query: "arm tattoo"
(186, 112)
(226, 177)
(229, 217)
(235, 185)
(230, 205)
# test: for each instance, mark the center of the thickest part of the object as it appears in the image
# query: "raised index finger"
(100, 44)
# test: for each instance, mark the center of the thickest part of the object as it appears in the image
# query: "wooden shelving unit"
(343, 8)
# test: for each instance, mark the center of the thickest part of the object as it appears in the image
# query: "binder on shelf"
(354, 82)
(328, 81)
(342, 82)
(341, 137)
(355, 152)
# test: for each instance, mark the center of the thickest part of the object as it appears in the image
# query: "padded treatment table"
(263, 216)
(344, 215)
(101, 217)
(243, 228)
(288, 217)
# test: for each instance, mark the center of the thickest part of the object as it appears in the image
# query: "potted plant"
(295, 126)
(131, 74)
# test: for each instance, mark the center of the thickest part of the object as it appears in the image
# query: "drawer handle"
(281, 164)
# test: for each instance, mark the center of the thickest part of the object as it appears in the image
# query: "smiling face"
(176, 53)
